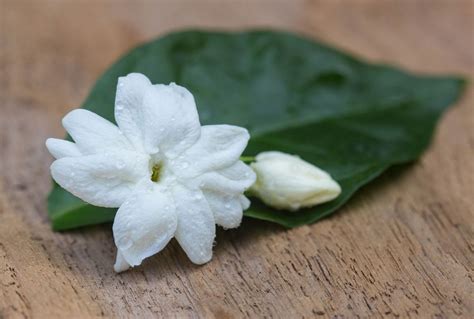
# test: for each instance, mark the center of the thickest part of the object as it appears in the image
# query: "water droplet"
(173, 119)
(118, 107)
(119, 164)
(153, 150)
(198, 196)
(162, 130)
(72, 174)
(185, 164)
(227, 206)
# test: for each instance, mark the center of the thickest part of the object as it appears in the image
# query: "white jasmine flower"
(287, 182)
(169, 176)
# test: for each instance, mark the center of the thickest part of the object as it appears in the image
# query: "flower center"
(156, 170)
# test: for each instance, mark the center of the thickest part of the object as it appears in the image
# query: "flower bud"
(287, 182)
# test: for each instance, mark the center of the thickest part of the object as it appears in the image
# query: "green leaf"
(349, 117)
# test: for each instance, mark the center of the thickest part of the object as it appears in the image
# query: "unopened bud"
(287, 182)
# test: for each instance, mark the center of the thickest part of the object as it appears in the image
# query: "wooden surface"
(402, 248)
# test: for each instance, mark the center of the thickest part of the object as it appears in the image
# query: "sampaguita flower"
(169, 176)
(287, 182)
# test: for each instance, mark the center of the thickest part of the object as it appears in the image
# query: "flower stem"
(247, 159)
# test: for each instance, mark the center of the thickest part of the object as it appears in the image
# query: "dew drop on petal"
(153, 150)
(119, 164)
(198, 196)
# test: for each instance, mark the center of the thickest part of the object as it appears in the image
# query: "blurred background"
(419, 264)
(78, 39)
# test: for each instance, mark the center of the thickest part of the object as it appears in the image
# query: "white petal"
(128, 103)
(102, 179)
(196, 226)
(234, 179)
(120, 263)
(94, 134)
(244, 201)
(227, 210)
(239, 172)
(169, 120)
(144, 224)
(62, 148)
(218, 147)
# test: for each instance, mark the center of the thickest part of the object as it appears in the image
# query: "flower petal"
(144, 224)
(156, 117)
(218, 147)
(128, 103)
(101, 179)
(169, 120)
(196, 226)
(94, 134)
(227, 209)
(62, 148)
(233, 180)
(120, 263)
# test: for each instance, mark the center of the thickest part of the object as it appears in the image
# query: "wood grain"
(402, 248)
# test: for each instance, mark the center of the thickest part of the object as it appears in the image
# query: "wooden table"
(403, 247)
